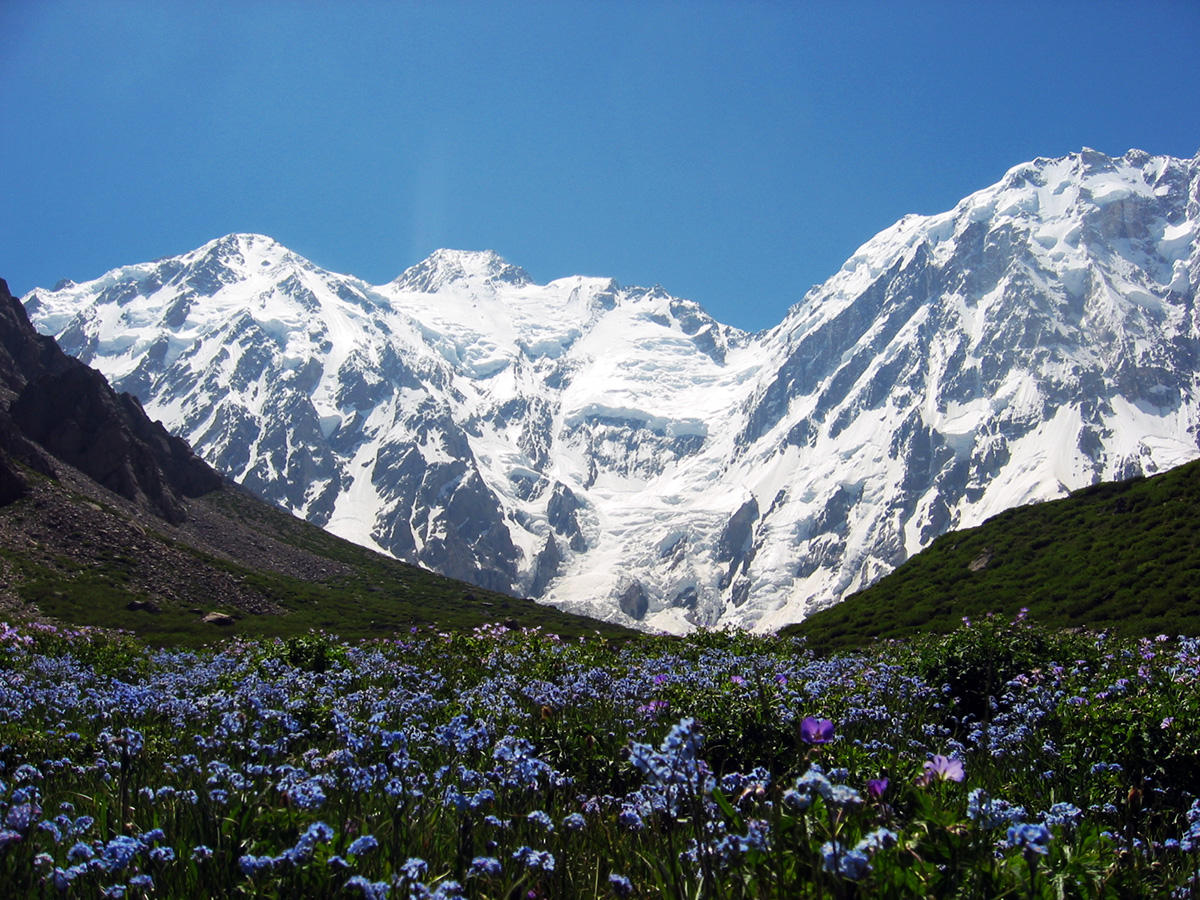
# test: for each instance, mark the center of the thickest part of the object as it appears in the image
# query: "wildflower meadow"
(1002, 760)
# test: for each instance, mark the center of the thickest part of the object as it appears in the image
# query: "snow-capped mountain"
(618, 452)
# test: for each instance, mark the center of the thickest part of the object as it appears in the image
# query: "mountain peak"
(445, 266)
(240, 248)
(241, 241)
(1035, 338)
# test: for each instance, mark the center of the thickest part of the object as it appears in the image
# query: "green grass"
(368, 595)
(381, 594)
(1121, 556)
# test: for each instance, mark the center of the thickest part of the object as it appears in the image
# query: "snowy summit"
(617, 452)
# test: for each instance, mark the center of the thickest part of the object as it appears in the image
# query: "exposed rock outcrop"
(53, 405)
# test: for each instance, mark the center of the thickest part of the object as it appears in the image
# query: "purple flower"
(816, 731)
(992, 812)
(852, 864)
(630, 819)
(1031, 839)
(943, 768)
(251, 865)
(162, 854)
(487, 866)
(842, 795)
(621, 886)
(371, 890)
(654, 708)
(62, 878)
(414, 868)
(535, 859)
(879, 839)
(119, 852)
(876, 787)
(21, 815)
(364, 844)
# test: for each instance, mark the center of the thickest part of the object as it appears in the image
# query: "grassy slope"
(383, 594)
(89, 574)
(1122, 556)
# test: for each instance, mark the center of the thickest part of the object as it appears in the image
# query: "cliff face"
(53, 407)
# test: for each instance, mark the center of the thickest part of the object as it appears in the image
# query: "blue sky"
(736, 153)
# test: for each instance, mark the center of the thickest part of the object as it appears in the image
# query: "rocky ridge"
(107, 520)
(615, 451)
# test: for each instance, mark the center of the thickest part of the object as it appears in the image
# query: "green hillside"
(89, 559)
(107, 520)
(1121, 556)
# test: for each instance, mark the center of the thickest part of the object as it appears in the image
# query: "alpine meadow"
(463, 585)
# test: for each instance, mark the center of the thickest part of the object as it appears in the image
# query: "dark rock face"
(735, 539)
(80, 420)
(452, 522)
(560, 513)
(634, 602)
(13, 485)
(736, 543)
(70, 411)
(473, 514)
(688, 598)
(23, 352)
(546, 566)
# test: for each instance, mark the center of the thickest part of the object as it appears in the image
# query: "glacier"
(617, 452)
